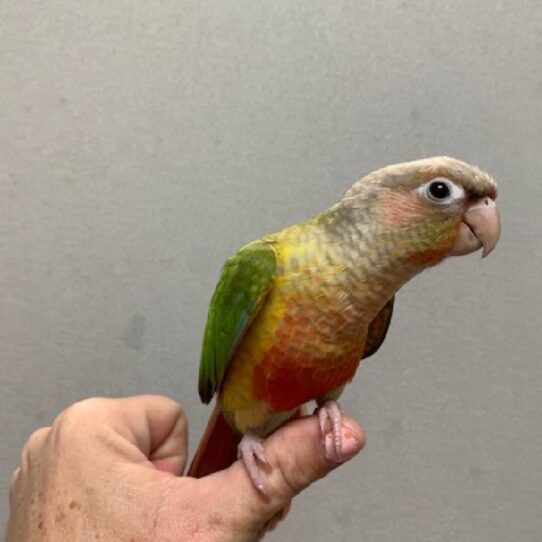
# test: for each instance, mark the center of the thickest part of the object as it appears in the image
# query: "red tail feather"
(217, 448)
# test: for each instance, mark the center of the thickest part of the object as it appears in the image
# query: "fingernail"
(350, 447)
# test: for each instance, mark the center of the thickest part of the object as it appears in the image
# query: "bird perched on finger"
(296, 311)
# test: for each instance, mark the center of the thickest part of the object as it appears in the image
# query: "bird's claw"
(250, 450)
(331, 411)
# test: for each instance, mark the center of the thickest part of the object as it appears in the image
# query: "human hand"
(108, 470)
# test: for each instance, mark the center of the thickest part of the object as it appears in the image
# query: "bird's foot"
(251, 451)
(331, 411)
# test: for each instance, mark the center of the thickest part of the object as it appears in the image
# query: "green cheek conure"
(296, 311)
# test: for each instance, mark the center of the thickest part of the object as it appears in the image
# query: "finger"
(14, 480)
(36, 439)
(34, 444)
(171, 455)
(296, 457)
(164, 435)
(154, 426)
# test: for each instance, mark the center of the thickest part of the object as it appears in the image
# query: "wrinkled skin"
(108, 470)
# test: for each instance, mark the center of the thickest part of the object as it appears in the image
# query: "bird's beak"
(480, 228)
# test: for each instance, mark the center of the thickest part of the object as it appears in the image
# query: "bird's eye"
(439, 190)
(442, 191)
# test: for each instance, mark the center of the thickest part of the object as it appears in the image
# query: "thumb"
(295, 453)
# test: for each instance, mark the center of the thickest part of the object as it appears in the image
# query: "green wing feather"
(378, 329)
(243, 286)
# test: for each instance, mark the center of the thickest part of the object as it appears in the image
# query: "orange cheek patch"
(438, 249)
(428, 257)
(397, 208)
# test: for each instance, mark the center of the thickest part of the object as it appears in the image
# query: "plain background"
(141, 143)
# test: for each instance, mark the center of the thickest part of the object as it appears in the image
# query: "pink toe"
(349, 447)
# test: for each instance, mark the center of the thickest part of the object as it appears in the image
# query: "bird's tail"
(217, 448)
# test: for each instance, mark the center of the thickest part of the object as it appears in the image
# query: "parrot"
(295, 312)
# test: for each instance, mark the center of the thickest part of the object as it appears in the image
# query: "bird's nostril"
(487, 201)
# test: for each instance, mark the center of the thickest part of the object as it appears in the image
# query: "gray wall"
(141, 143)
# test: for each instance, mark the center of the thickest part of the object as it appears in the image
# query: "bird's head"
(430, 209)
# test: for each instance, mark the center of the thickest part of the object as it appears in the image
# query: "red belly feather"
(287, 383)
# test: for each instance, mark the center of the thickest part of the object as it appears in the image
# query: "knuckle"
(180, 415)
(175, 406)
(289, 481)
(173, 409)
(81, 410)
(34, 442)
(78, 420)
(170, 404)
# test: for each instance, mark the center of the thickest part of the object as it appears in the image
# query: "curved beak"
(480, 228)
